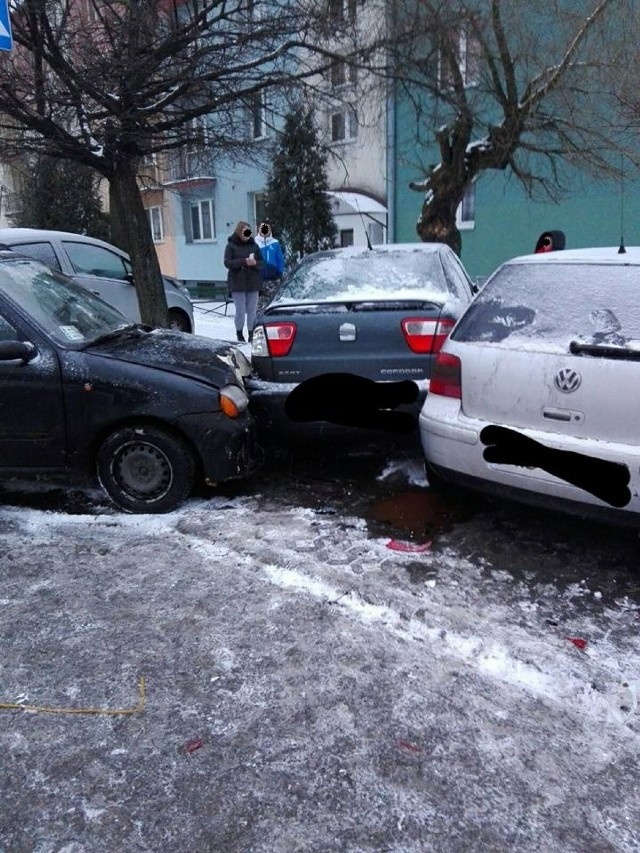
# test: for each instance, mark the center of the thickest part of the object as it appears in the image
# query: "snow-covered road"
(315, 682)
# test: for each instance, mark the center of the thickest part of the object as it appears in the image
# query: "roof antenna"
(622, 250)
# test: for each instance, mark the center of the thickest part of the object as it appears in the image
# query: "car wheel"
(145, 469)
(178, 321)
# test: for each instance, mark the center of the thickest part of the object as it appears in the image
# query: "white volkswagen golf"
(535, 395)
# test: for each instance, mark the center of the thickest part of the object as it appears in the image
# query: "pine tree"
(61, 195)
(297, 203)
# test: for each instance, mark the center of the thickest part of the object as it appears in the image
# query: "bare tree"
(107, 83)
(527, 87)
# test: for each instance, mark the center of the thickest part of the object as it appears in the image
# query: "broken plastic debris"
(409, 746)
(578, 642)
(194, 744)
(408, 547)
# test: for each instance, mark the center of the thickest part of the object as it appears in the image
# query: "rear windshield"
(371, 275)
(551, 305)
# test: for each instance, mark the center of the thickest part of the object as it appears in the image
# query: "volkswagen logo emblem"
(567, 380)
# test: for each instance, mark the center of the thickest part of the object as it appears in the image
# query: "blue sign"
(6, 39)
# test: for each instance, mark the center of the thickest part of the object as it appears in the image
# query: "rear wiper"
(135, 330)
(604, 351)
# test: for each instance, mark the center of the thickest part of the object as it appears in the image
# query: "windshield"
(553, 305)
(65, 311)
(404, 274)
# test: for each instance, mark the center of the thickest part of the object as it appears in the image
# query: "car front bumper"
(267, 405)
(227, 447)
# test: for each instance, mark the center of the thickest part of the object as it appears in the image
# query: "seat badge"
(567, 380)
(347, 332)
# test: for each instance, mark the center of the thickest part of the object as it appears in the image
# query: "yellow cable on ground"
(17, 706)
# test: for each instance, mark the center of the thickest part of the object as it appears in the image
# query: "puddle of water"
(418, 513)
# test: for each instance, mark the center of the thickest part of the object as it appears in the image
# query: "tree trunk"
(437, 223)
(117, 226)
(129, 213)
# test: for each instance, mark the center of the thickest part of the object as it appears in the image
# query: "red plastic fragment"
(578, 642)
(410, 747)
(194, 744)
(408, 547)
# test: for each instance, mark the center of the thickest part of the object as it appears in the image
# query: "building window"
(466, 212)
(341, 73)
(156, 224)
(259, 208)
(202, 221)
(375, 231)
(341, 10)
(344, 125)
(346, 237)
(199, 133)
(466, 49)
(258, 111)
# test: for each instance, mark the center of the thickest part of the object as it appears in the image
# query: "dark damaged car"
(150, 413)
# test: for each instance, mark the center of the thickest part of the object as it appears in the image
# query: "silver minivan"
(100, 267)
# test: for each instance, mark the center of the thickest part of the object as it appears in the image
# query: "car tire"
(436, 482)
(178, 321)
(146, 469)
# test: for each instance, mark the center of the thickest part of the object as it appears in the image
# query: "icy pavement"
(311, 687)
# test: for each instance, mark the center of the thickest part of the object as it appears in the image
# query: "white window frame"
(199, 205)
(258, 201)
(470, 76)
(258, 115)
(156, 223)
(466, 212)
(349, 124)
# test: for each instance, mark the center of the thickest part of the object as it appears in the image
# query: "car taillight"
(280, 338)
(446, 376)
(426, 335)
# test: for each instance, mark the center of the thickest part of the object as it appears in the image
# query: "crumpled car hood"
(214, 362)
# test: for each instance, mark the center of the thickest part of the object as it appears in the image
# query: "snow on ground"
(211, 322)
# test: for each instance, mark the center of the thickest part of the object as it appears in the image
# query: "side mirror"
(13, 350)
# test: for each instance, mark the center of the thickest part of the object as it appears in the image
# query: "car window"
(554, 304)
(370, 274)
(66, 311)
(7, 331)
(95, 260)
(42, 251)
(457, 275)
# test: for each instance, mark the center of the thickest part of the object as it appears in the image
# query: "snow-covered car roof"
(593, 255)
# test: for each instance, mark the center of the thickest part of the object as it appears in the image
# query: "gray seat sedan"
(100, 267)
(352, 334)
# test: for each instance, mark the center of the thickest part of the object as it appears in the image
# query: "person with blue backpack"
(273, 257)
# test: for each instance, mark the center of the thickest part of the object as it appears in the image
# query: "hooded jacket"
(273, 257)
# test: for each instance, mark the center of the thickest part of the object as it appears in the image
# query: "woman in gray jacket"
(244, 263)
